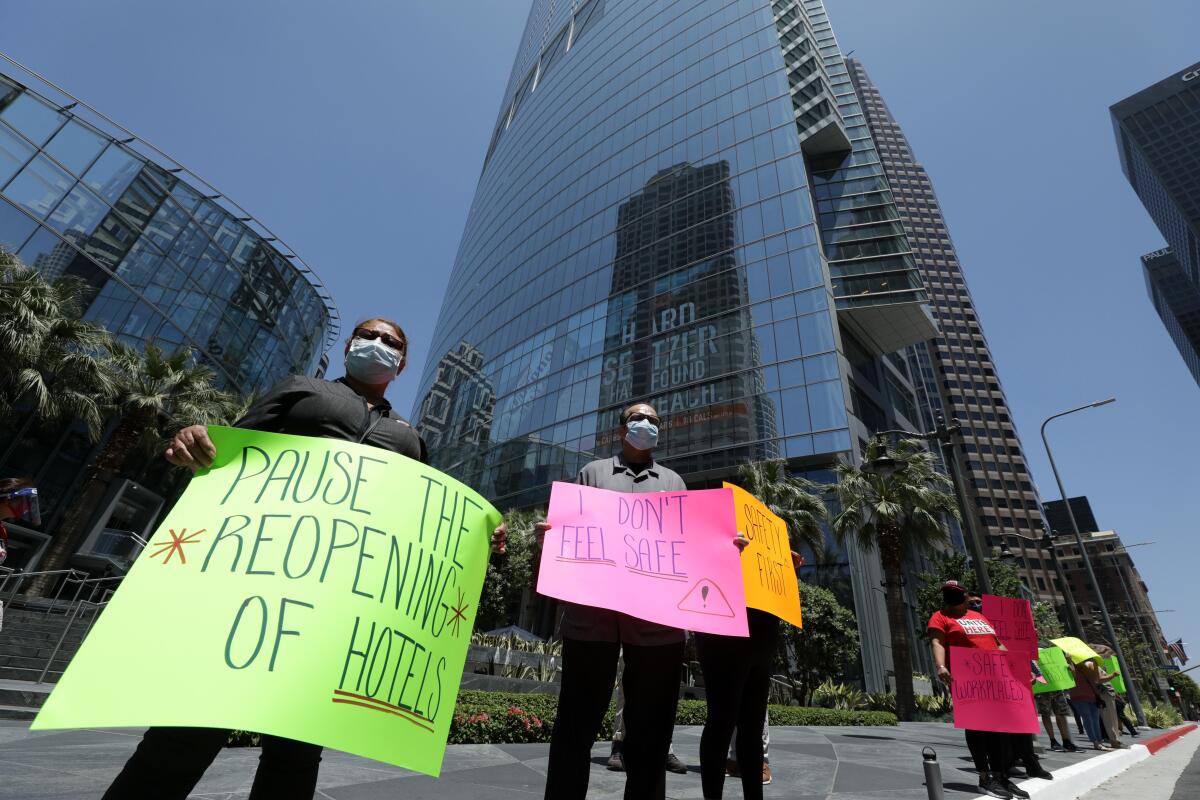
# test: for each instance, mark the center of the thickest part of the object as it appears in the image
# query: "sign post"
(308, 588)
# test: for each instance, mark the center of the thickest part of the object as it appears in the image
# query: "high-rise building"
(999, 489)
(1124, 592)
(1059, 521)
(1176, 298)
(1157, 133)
(165, 259)
(683, 204)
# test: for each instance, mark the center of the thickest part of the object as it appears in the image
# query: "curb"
(1077, 780)
(1164, 739)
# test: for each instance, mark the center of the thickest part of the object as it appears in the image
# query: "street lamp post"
(1087, 562)
(943, 434)
(1073, 621)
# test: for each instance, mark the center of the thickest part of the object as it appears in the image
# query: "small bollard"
(933, 774)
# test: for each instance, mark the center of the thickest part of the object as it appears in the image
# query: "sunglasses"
(638, 416)
(399, 345)
(24, 503)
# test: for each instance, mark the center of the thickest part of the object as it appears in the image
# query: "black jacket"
(332, 410)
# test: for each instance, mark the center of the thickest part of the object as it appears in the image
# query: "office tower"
(1158, 139)
(165, 259)
(1176, 299)
(682, 204)
(1058, 521)
(999, 490)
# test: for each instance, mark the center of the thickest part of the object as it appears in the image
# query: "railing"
(13, 579)
(75, 615)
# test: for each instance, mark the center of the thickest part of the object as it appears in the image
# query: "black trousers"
(169, 762)
(651, 684)
(991, 751)
(737, 681)
(1021, 749)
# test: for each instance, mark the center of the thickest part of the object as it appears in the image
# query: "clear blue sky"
(356, 130)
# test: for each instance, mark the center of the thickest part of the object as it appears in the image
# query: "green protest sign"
(1053, 663)
(1113, 667)
(309, 588)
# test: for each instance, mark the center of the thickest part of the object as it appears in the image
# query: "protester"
(1085, 700)
(1123, 718)
(1054, 704)
(616, 757)
(170, 761)
(18, 500)
(737, 683)
(594, 638)
(1023, 744)
(956, 625)
(1107, 700)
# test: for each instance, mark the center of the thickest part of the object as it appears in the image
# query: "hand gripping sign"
(767, 572)
(308, 588)
(665, 557)
(991, 692)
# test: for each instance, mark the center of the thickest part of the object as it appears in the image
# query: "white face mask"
(371, 361)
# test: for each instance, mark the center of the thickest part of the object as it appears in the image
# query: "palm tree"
(53, 361)
(157, 394)
(899, 512)
(794, 500)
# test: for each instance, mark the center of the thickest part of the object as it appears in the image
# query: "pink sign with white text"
(665, 557)
(991, 690)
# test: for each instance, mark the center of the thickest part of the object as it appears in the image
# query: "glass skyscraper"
(1158, 139)
(165, 258)
(681, 204)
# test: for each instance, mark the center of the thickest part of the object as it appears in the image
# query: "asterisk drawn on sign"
(178, 540)
(460, 613)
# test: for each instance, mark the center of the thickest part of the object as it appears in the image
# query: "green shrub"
(933, 705)
(839, 695)
(881, 701)
(243, 739)
(1160, 715)
(507, 717)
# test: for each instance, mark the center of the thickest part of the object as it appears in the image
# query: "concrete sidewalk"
(809, 764)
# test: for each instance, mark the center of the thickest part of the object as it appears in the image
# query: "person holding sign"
(1086, 700)
(737, 681)
(170, 761)
(593, 639)
(957, 625)
(18, 500)
(1051, 701)
(1106, 693)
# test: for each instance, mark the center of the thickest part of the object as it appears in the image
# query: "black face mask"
(953, 598)
(976, 605)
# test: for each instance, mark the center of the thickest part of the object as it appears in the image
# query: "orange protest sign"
(767, 570)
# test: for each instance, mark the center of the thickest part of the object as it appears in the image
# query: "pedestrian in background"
(18, 500)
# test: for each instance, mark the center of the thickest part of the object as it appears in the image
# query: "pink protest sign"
(1013, 621)
(991, 690)
(665, 557)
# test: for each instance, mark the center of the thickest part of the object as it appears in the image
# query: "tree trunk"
(75, 524)
(893, 565)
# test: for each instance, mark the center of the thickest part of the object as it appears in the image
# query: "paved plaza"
(809, 764)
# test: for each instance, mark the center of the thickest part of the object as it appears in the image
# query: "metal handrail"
(66, 630)
(20, 578)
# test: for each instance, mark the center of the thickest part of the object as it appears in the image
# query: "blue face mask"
(641, 434)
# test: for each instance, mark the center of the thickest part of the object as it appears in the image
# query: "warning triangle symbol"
(706, 598)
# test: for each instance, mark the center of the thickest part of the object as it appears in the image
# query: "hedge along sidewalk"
(510, 718)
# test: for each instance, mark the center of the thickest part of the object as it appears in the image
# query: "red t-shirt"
(972, 629)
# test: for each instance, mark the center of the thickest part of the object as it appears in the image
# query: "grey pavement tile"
(507, 780)
(815, 749)
(858, 778)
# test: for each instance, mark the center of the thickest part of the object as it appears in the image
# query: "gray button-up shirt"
(591, 624)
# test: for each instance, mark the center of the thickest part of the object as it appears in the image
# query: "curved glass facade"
(165, 259)
(642, 231)
(681, 204)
